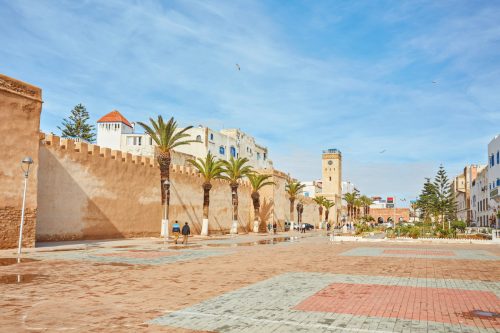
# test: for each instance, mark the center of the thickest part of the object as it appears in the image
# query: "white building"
(494, 175)
(116, 132)
(480, 198)
(312, 189)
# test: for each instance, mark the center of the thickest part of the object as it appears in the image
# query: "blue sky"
(352, 75)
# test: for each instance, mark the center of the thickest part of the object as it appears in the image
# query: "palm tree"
(293, 188)
(366, 202)
(167, 137)
(357, 206)
(349, 199)
(328, 204)
(319, 201)
(210, 169)
(257, 181)
(234, 170)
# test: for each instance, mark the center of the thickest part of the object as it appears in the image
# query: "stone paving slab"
(277, 305)
(145, 256)
(420, 253)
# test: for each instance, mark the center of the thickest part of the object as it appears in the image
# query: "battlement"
(83, 148)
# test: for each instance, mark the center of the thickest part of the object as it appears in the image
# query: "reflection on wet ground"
(61, 250)
(260, 242)
(183, 247)
(481, 314)
(123, 246)
(12, 261)
(20, 278)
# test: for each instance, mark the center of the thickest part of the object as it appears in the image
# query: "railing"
(331, 151)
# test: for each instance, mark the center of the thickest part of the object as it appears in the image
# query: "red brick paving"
(443, 305)
(421, 252)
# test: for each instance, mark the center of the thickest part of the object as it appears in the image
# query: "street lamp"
(166, 188)
(25, 166)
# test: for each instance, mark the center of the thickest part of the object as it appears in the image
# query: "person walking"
(275, 227)
(176, 230)
(303, 228)
(186, 231)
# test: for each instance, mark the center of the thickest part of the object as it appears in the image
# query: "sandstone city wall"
(385, 213)
(20, 107)
(89, 192)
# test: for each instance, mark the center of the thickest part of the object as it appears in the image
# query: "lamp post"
(25, 166)
(299, 214)
(166, 188)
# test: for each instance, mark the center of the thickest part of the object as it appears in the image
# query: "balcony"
(494, 193)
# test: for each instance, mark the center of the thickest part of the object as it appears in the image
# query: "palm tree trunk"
(256, 208)
(320, 216)
(206, 203)
(326, 215)
(164, 160)
(234, 193)
(292, 201)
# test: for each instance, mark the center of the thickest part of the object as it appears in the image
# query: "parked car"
(308, 226)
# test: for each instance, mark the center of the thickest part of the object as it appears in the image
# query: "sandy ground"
(88, 296)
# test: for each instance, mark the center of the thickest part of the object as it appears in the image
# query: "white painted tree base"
(255, 226)
(234, 227)
(204, 227)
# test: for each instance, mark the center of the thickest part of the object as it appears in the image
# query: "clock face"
(330, 162)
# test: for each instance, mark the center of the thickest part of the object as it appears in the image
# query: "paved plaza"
(250, 283)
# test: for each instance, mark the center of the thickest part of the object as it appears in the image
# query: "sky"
(418, 79)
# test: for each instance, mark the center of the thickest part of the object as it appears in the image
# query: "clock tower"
(332, 181)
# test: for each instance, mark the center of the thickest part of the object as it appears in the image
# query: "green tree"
(350, 199)
(328, 204)
(235, 170)
(293, 189)
(210, 169)
(167, 137)
(258, 181)
(427, 201)
(445, 203)
(319, 201)
(76, 125)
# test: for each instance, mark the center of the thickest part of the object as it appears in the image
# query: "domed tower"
(332, 181)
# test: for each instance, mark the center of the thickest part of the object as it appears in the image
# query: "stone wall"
(89, 192)
(385, 213)
(20, 107)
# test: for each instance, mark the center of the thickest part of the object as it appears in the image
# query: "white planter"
(234, 227)
(204, 227)
(255, 226)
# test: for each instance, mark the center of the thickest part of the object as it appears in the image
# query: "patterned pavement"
(144, 256)
(421, 253)
(319, 302)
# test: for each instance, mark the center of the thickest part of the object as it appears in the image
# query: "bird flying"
(383, 151)
(238, 67)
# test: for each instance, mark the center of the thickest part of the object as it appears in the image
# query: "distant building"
(116, 132)
(461, 190)
(494, 176)
(332, 180)
(312, 189)
(480, 197)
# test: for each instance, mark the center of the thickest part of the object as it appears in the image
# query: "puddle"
(183, 247)
(481, 314)
(20, 278)
(61, 250)
(12, 261)
(260, 242)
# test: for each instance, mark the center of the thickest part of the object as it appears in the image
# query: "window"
(492, 160)
(258, 156)
(498, 157)
(139, 141)
(222, 151)
(331, 177)
(265, 156)
(150, 141)
(198, 138)
(498, 181)
(233, 151)
(212, 136)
